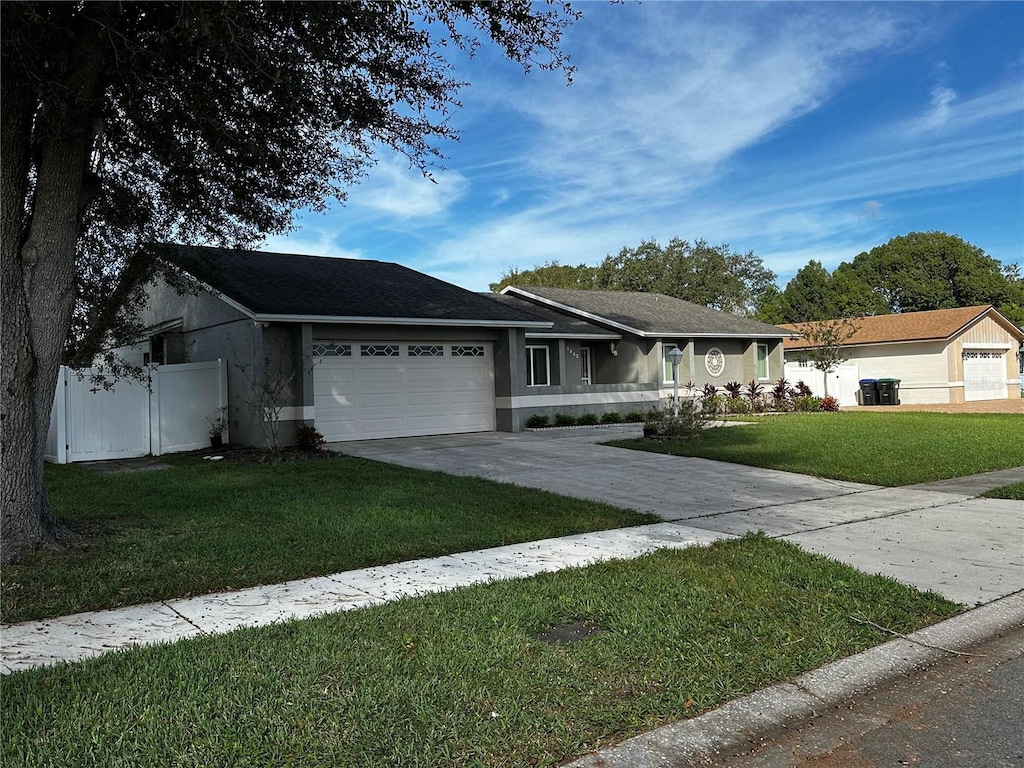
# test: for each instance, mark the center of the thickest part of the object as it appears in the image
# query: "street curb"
(766, 711)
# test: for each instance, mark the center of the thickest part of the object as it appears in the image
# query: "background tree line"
(712, 275)
(910, 273)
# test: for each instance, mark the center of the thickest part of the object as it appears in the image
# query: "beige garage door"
(984, 375)
(400, 389)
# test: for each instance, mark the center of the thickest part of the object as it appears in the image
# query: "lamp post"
(675, 355)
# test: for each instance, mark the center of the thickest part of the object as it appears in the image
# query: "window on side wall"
(538, 371)
(666, 347)
(586, 377)
(762, 361)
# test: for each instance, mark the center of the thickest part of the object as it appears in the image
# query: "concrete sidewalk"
(86, 635)
(936, 536)
(964, 548)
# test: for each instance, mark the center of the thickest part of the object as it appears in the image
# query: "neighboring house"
(615, 357)
(941, 356)
(369, 349)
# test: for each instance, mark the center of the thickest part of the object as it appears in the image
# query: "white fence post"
(155, 433)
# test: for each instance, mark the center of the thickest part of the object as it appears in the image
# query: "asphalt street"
(966, 711)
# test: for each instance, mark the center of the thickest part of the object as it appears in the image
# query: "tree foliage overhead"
(197, 122)
(911, 273)
(711, 275)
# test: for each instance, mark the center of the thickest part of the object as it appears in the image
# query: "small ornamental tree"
(828, 339)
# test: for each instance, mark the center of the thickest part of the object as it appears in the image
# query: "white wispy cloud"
(396, 189)
(312, 240)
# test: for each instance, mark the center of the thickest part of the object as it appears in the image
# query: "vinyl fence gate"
(90, 423)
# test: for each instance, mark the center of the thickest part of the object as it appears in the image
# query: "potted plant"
(218, 423)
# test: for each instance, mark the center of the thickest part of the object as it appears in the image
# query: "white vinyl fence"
(843, 384)
(89, 423)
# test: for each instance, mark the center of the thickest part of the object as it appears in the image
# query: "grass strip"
(459, 678)
(1014, 491)
(889, 449)
(202, 527)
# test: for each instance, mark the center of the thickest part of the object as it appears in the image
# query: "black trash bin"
(868, 392)
(889, 391)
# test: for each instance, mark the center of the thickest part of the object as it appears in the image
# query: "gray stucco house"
(370, 349)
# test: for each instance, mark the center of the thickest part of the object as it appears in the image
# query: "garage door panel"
(371, 397)
(984, 375)
(390, 400)
(432, 375)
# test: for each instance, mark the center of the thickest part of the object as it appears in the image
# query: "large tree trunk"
(40, 230)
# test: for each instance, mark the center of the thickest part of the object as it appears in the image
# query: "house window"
(538, 373)
(666, 347)
(585, 375)
(762, 361)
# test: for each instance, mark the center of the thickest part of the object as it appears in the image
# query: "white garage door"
(398, 389)
(984, 375)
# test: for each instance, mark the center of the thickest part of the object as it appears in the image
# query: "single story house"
(939, 356)
(367, 349)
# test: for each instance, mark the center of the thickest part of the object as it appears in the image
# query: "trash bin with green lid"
(869, 392)
(889, 391)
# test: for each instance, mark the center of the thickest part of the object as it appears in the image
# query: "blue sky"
(796, 130)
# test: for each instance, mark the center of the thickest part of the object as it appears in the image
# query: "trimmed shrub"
(737, 405)
(565, 420)
(307, 438)
(634, 417)
(829, 404)
(537, 421)
(807, 403)
(689, 422)
(586, 419)
(612, 417)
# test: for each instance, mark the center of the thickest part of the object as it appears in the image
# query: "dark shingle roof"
(269, 284)
(649, 314)
(563, 324)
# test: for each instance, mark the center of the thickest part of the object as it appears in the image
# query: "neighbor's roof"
(290, 287)
(563, 325)
(934, 325)
(647, 314)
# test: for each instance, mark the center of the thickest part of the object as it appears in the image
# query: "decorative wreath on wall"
(714, 361)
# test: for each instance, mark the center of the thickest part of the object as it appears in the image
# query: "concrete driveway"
(971, 550)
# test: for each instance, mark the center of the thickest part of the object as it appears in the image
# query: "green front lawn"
(879, 448)
(460, 678)
(1015, 491)
(204, 527)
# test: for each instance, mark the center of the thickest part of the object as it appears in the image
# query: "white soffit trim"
(591, 337)
(349, 320)
(636, 331)
(986, 345)
(167, 325)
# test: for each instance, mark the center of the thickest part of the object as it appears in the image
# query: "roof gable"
(278, 286)
(646, 314)
(932, 325)
(563, 325)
